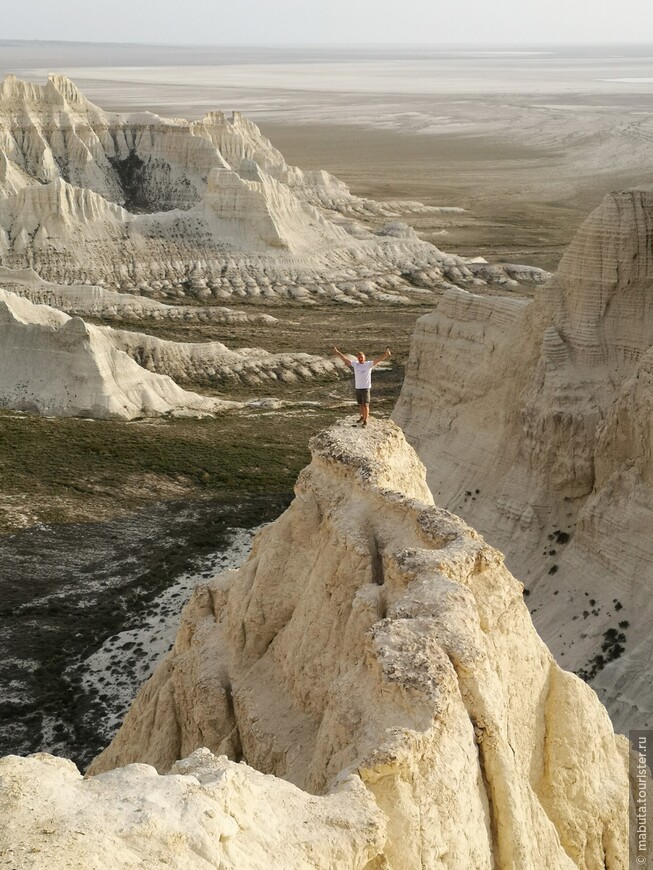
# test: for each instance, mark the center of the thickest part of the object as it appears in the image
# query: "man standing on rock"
(363, 379)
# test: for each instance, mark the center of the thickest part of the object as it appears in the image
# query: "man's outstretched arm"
(380, 359)
(344, 358)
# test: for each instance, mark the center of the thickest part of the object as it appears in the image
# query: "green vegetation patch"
(59, 470)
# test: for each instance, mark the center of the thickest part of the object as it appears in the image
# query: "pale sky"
(270, 22)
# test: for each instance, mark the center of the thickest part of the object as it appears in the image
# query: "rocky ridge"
(62, 366)
(207, 813)
(58, 365)
(373, 636)
(534, 421)
(84, 300)
(207, 209)
(212, 362)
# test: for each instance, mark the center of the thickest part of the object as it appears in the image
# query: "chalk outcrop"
(375, 637)
(207, 813)
(86, 300)
(58, 365)
(534, 420)
(62, 366)
(211, 362)
(207, 209)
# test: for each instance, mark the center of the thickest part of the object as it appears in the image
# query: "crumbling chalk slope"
(208, 813)
(62, 366)
(58, 365)
(371, 633)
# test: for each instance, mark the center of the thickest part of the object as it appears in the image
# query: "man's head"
(360, 356)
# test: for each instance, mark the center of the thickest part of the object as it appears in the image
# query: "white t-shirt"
(363, 374)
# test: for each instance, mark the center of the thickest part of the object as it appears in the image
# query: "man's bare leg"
(365, 413)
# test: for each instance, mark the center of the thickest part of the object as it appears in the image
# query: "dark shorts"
(362, 397)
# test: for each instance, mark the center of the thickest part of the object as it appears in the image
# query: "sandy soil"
(484, 175)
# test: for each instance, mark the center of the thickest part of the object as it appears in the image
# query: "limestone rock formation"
(206, 209)
(374, 636)
(61, 366)
(207, 813)
(213, 362)
(58, 365)
(534, 420)
(84, 300)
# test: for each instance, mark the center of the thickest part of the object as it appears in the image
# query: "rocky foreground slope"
(534, 420)
(373, 651)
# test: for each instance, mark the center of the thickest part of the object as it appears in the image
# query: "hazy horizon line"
(372, 45)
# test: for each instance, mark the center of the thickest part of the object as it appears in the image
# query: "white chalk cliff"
(58, 365)
(534, 420)
(375, 650)
(207, 209)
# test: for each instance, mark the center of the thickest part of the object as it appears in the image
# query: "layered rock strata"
(84, 300)
(534, 420)
(208, 209)
(374, 636)
(58, 365)
(212, 362)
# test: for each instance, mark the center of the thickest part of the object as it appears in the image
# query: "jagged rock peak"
(59, 89)
(373, 635)
(68, 90)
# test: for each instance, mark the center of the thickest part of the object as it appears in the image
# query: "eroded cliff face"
(58, 365)
(206, 209)
(374, 635)
(534, 421)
